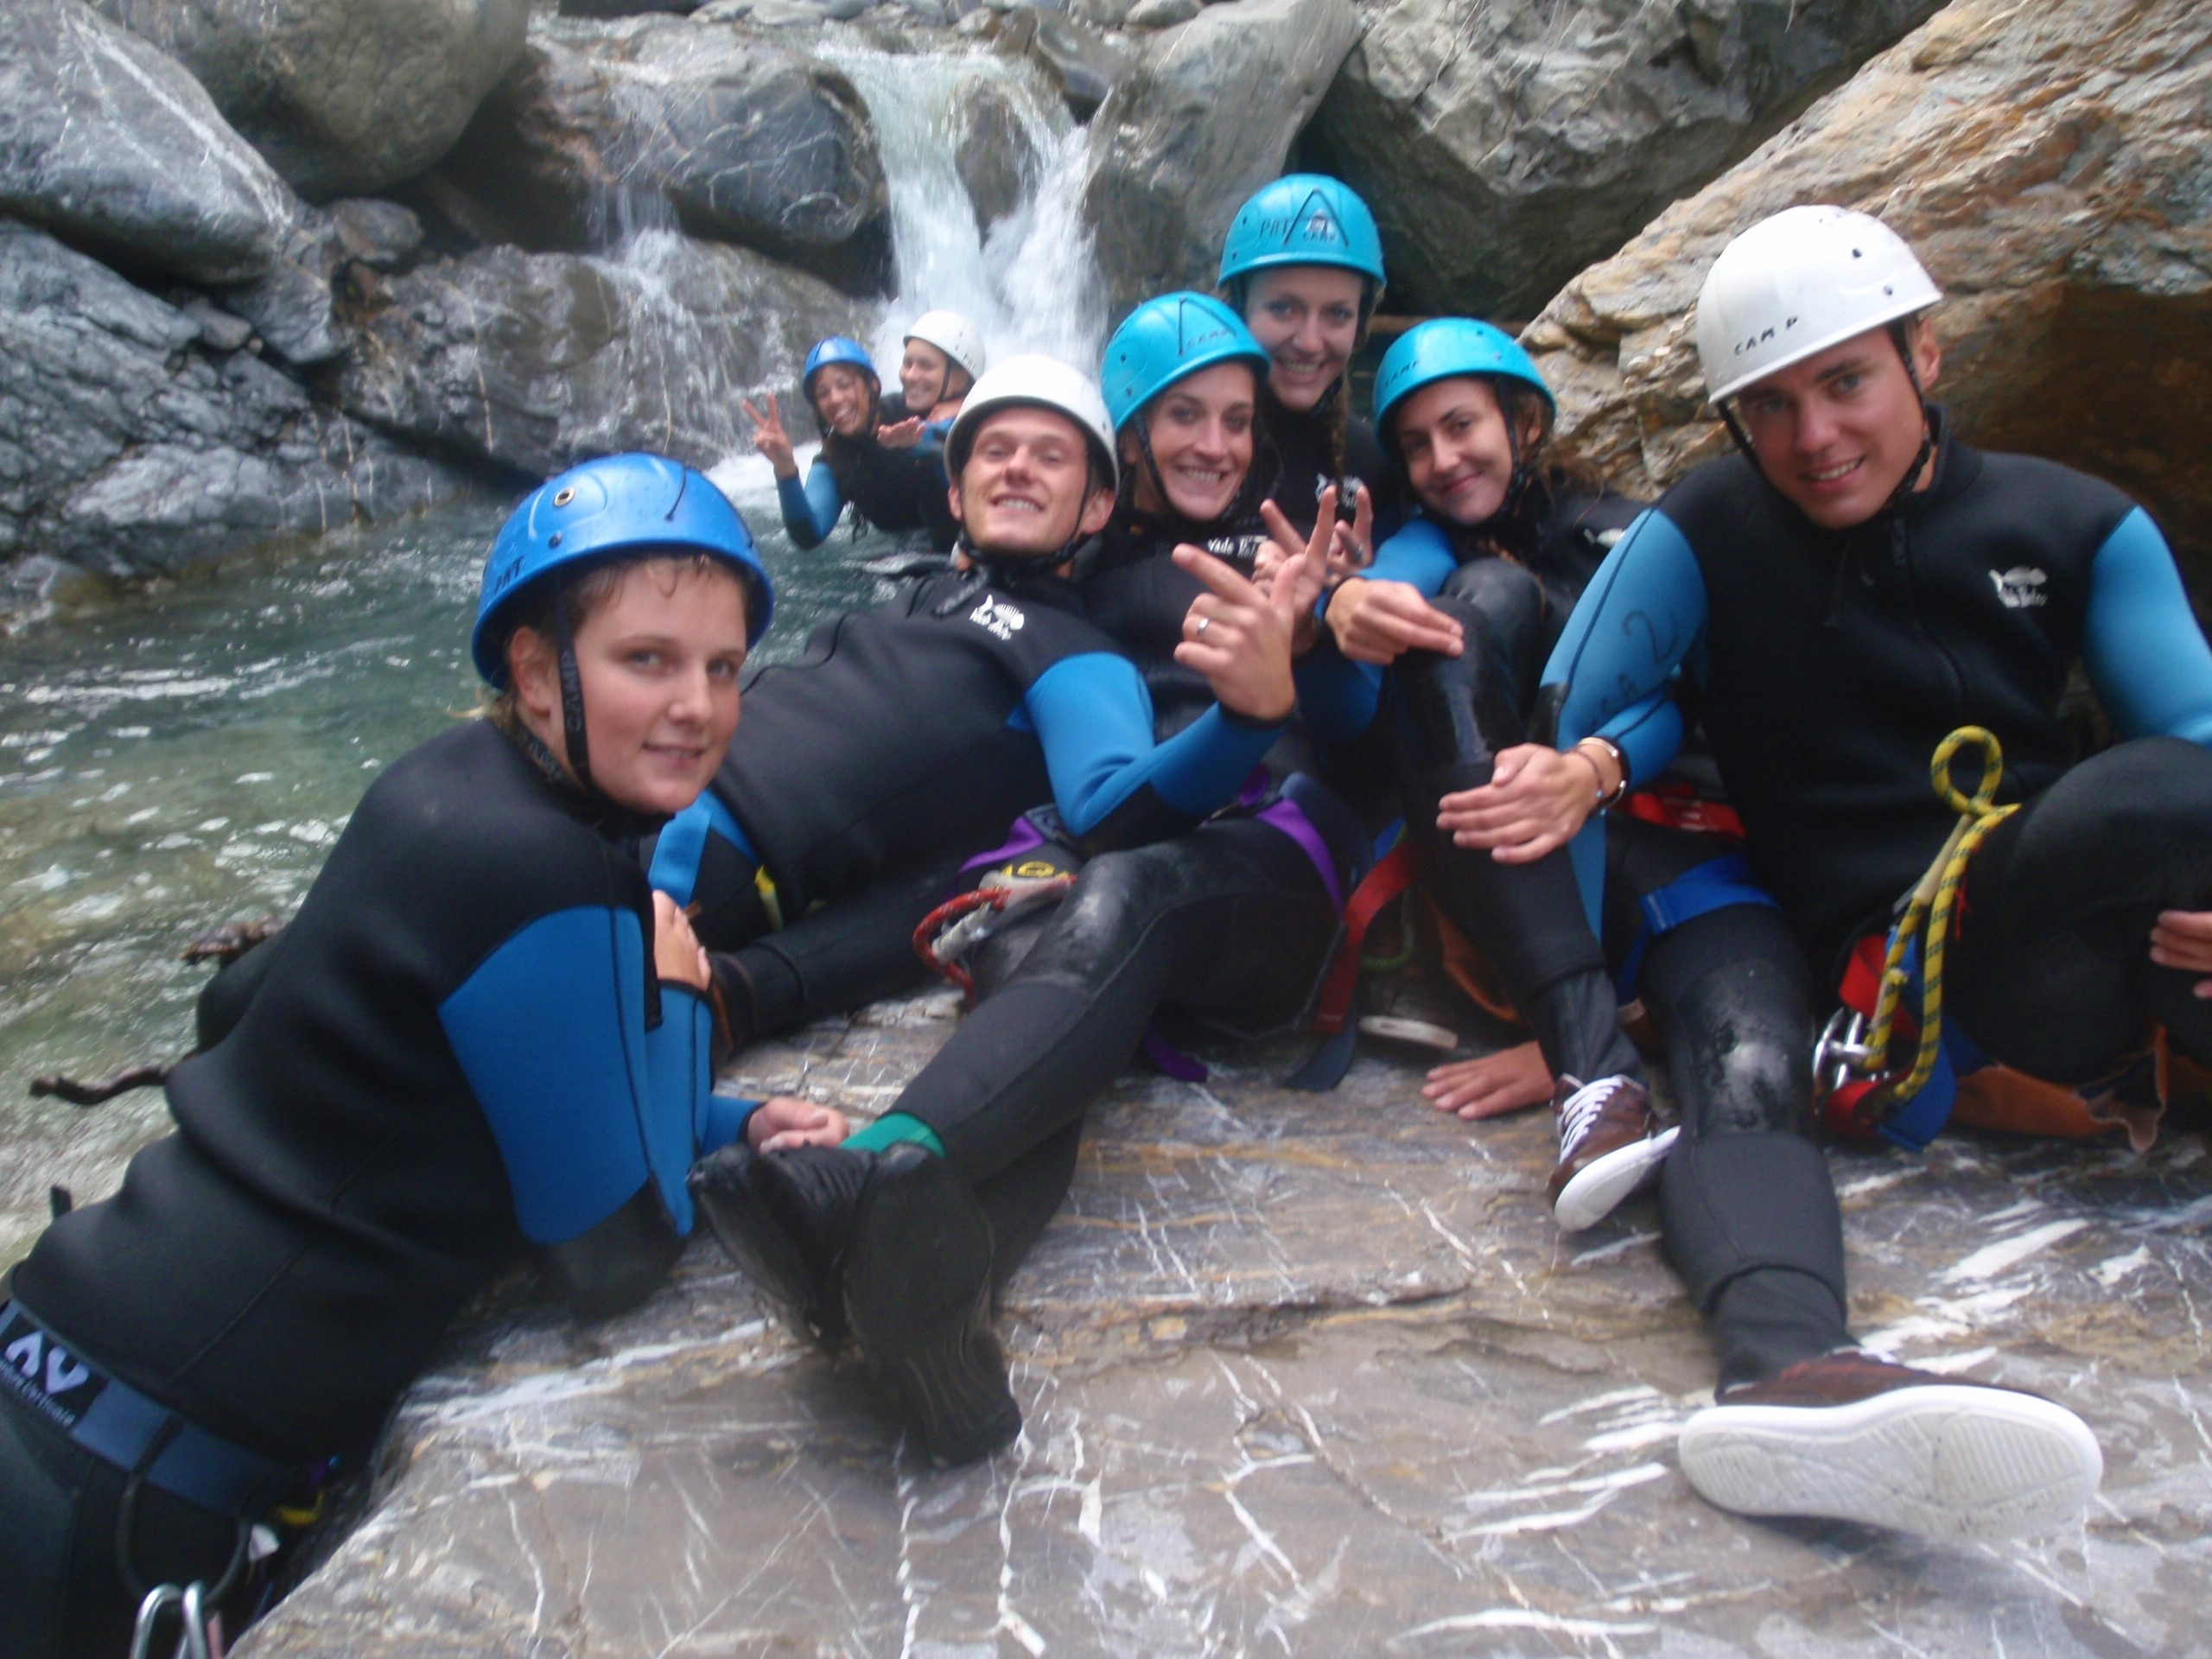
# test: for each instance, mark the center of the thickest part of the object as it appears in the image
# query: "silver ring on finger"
(1204, 622)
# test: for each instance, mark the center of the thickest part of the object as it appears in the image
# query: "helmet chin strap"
(572, 691)
(1903, 494)
(1151, 464)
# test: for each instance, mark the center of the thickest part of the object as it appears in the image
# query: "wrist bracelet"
(1607, 799)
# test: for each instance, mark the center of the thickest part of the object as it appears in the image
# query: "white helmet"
(954, 335)
(1797, 283)
(1036, 382)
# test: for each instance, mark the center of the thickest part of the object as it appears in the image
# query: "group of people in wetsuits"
(1122, 764)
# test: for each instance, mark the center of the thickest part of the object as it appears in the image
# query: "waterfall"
(1032, 285)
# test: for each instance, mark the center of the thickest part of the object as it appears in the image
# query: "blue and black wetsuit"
(457, 1047)
(908, 736)
(1828, 666)
(1227, 927)
(891, 489)
(1443, 721)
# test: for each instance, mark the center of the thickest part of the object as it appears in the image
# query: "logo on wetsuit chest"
(2020, 588)
(45, 1376)
(1000, 619)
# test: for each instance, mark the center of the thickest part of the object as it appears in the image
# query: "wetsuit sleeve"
(683, 846)
(1648, 731)
(588, 1105)
(1337, 697)
(1640, 618)
(1637, 622)
(1418, 555)
(1093, 718)
(810, 510)
(2145, 653)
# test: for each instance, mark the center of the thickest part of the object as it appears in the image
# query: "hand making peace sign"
(770, 438)
(1239, 633)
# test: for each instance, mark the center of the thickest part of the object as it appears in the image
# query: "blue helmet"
(637, 504)
(838, 348)
(1303, 218)
(1167, 339)
(1439, 349)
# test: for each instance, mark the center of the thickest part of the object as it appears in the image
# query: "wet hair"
(586, 593)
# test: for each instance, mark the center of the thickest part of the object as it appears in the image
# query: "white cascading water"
(1032, 286)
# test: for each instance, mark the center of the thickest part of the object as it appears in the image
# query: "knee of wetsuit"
(1112, 904)
(619, 1260)
(1504, 596)
(1741, 1056)
(1738, 1203)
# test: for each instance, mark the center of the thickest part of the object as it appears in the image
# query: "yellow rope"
(1928, 917)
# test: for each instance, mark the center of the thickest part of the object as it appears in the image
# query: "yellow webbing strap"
(1928, 916)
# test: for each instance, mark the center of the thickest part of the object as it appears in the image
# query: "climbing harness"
(1851, 1060)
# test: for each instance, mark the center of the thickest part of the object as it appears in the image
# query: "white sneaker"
(1852, 1437)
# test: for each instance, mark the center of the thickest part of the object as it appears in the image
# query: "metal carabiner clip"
(191, 1611)
(1840, 1054)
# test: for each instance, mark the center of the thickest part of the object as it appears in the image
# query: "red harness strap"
(1677, 808)
(1384, 883)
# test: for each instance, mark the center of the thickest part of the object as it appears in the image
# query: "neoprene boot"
(787, 1219)
(918, 1296)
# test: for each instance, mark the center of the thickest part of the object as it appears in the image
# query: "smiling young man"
(931, 725)
(1850, 589)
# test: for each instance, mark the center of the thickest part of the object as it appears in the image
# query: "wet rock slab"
(1303, 1374)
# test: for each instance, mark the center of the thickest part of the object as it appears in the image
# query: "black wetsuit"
(457, 1045)
(908, 736)
(892, 489)
(1443, 721)
(1297, 460)
(1831, 663)
(1228, 927)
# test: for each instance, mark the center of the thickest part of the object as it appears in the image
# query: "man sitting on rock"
(1852, 593)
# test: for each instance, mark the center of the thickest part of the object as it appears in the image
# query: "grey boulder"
(999, 164)
(536, 361)
(1085, 64)
(132, 443)
(745, 139)
(114, 148)
(1504, 147)
(1204, 118)
(345, 97)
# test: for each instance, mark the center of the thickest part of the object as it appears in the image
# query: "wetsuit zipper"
(1901, 554)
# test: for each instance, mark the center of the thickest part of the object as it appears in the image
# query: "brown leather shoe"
(1853, 1437)
(1610, 1143)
